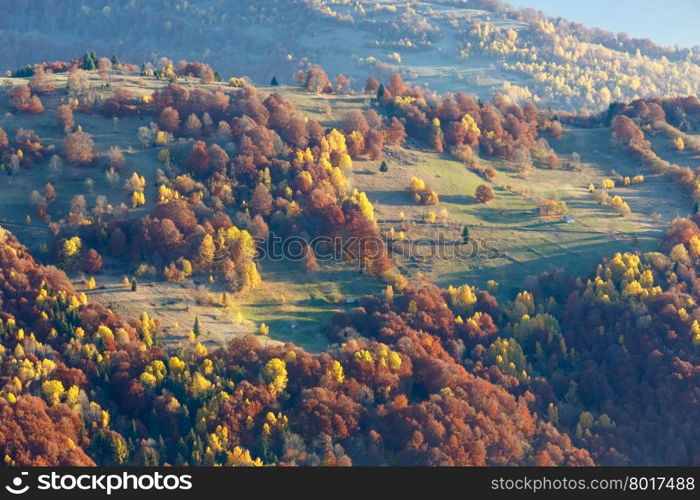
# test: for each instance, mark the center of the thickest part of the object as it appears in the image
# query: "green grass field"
(528, 245)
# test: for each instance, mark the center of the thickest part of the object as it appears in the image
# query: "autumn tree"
(341, 83)
(104, 68)
(310, 261)
(258, 228)
(92, 262)
(371, 86)
(355, 121)
(162, 236)
(177, 211)
(23, 100)
(396, 85)
(40, 83)
(396, 133)
(422, 193)
(193, 126)
(78, 148)
(115, 158)
(198, 159)
(218, 158)
(77, 83)
(169, 120)
(19, 96)
(374, 143)
(483, 193)
(49, 192)
(261, 202)
(435, 137)
(317, 80)
(625, 131)
(64, 117)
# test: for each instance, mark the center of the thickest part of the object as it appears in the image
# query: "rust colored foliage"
(33, 434)
(64, 117)
(198, 159)
(92, 262)
(484, 193)
(169, 120)
(317, 80)
(78, 148)
(23, 101)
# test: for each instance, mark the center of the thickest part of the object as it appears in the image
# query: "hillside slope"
(479, 46)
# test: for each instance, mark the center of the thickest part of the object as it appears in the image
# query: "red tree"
(198, 159)
(317, 80)
(92, 262)
(169, 119)
(484, 194)
(218, 158)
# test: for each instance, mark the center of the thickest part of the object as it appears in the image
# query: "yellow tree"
(52, 390)
(206, 252)
(275, 373)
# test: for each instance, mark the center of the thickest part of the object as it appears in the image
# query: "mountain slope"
(477, 46)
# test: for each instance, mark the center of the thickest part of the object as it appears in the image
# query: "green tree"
(274, 81)
(380, 92)
(465, 234)
(196, 329)
(134, 285)
(384, 167)
(109, 447)
(90, 61)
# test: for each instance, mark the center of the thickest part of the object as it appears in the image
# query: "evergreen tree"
(90, 61)
(384, 167)
(196, 329)
(134, 285)
(465, 234)
(380, 92)
(274, 81)
(115, 60)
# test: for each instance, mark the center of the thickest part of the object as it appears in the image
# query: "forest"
(124, 177)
